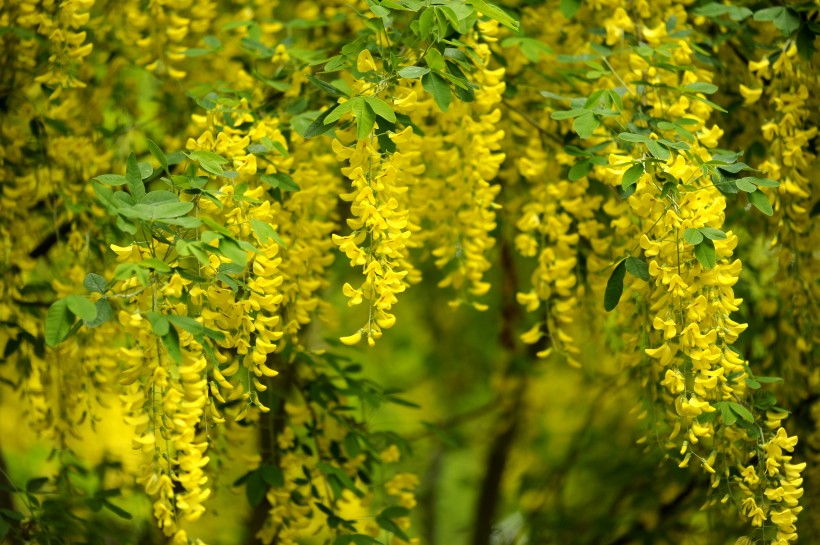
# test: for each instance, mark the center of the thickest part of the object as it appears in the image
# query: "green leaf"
(146, 170)
(632, 137)
(570, 7)
(159, 196)
(8, 513)
(395, 512)
(365, 118)
(159, 155)
(805, 42)
(568, 114)
(752, 383)
(426, 22)
(184, 221)
(585, 124)
(632, 175)
(705, 254)
(593, 99)
(713, 234)
(157, 212)
(741, 411)
(413, 72)
(381, 108)
(760, 202)
(726, 413)
(390, 526)
(579, 170)
(341, 109)
(735, 168)
(155, 264)
(701, 87)
(119, 511)
(280, 180)
(326, 87)
(193, 327)
(317, 127)
(616, 100)
(438, 88)
(171, 209)
(133, 177)
(658, 150)
(95, 283)
(209, 161)
(615, 287)
(494, 12)
(159, 323)
(531, 48)
(171, 342)
(434, 59)
(344, 478)
(81, 307)
(58, 322)
(745, 184)
(111, 179)
(783, 19)
(693, 236)
(357, 539)
(763, 182)
(265, 232)
(36, 484)
(104, 313)
(378, 10)
(255, 488)
(272, 475)
(638, 268)
(230, 249)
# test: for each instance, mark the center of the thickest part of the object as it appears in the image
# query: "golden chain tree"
(622, 191)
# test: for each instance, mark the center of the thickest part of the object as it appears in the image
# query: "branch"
(456, 420)
(6, 498)
(666, 510)
(508, 420)
(526, 117)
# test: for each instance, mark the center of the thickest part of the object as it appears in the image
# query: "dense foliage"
(409, 271)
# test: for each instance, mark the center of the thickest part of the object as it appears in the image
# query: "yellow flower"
(350, 340)
(364, 62)
(750, 96)
(390, 455)
(533, 335)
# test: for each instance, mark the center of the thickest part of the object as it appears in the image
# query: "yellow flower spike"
(365, 62)
(750, 96)
(350, 340)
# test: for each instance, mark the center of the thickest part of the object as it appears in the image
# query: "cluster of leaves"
(65, 508)
(796, 21)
